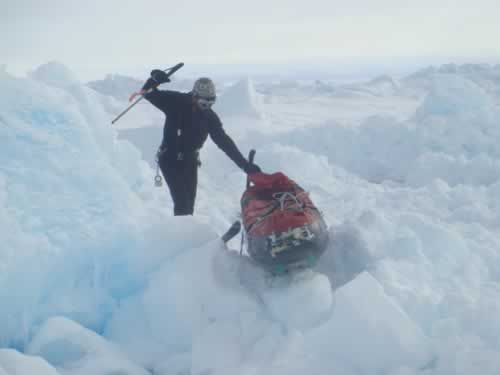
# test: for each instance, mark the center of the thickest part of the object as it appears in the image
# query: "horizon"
(344, 69)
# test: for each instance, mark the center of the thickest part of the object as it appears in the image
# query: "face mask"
(205, 103)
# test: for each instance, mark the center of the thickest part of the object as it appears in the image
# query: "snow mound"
(379, 87)
(383, 86)
(117, 86)
(458, 130)
(453, 136)
(69, 192)
(369, 329)
(215, 311)
(303, 305)
(67, 345)
(239, 99)
(15, 363)
(452, 95)
(485, 76)
(54, 74)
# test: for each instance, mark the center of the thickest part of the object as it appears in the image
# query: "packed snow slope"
(97, 277)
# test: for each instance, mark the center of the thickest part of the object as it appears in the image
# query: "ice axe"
(169, 72)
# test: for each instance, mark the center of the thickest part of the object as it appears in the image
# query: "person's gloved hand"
(159, 76)
(252, 168)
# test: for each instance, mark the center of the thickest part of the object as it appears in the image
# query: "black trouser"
(182, 179)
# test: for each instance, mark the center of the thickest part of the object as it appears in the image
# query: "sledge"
(284, 230)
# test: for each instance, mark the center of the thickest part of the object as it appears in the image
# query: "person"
(190, 119)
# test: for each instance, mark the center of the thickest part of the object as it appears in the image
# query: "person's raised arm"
(161, 99)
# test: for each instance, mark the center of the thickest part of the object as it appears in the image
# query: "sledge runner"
(190, 119)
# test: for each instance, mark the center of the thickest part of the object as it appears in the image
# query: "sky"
(98, 37)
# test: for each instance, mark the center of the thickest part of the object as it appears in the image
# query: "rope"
(281, 200)
(286, 196)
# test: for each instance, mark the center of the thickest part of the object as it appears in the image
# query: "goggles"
(205, 103)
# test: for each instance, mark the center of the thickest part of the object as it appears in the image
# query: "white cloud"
(117, 35)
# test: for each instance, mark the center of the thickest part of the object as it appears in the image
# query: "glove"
(252, 168)
(159, 76)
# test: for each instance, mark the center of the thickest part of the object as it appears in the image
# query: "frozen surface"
(75, 350)
(97, 277)
(14, 363)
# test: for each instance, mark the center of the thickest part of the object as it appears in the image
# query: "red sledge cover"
(274, 203)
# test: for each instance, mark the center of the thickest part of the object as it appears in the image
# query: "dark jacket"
(186, 129)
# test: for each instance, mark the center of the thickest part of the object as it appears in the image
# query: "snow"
(64, 180)
(371, 332)
(240, 99)
(14, 363)
(97, 277)
(75, 350)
